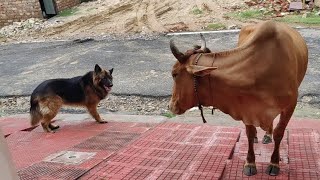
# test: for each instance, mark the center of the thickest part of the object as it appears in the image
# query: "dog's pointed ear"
(111, 70)
(97, 69)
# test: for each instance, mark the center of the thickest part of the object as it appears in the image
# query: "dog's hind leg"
(50, 108)
(46, 122)
(45, 126)
(94, 113)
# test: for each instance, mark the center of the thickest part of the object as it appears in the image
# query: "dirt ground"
(125, 17)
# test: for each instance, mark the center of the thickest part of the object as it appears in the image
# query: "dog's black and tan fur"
(88, 90)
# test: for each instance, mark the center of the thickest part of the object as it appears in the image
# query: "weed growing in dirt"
(216, 26)
(196, 11)
(311, 19)
(169, 115)
(68, 12)
(247, 14)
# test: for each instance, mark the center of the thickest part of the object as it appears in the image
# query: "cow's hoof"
(273, 170)
(250, 169)
(266, 139)
(256, 140)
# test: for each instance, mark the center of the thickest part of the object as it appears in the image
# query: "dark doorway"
(48, 8)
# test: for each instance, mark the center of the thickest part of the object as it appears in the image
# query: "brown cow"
(253, 83)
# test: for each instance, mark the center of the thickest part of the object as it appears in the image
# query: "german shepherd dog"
(88, 90)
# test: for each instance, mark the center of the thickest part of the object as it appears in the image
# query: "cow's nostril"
(110, 85)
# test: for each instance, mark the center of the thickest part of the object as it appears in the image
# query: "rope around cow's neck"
(195, 81)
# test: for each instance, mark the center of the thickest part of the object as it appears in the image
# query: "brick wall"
(65, 4)
(17, 10)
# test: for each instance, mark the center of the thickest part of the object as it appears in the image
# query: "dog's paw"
(102, 121)
(53, 127)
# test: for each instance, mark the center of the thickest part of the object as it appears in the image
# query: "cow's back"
(280, 44)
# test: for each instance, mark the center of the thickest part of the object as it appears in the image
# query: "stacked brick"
(17, 10)
(65, 4)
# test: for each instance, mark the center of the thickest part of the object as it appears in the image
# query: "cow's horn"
(175, 51)
(203, 43)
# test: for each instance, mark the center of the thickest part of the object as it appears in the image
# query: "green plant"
(215, 26)
(68, 12)
(196, 11)
(247, 14)
(169, 115)
(312, 19)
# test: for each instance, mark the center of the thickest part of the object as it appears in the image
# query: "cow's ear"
(200, 70)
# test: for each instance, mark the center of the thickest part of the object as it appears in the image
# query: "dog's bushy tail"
(35, 113)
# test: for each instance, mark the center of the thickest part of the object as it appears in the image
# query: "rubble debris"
(280, 7)
(23, 27)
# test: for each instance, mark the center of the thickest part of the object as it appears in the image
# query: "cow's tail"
(35, 113)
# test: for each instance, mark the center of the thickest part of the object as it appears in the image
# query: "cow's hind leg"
(267, 138)
(250, 166)
(256, 137)
(274, 169)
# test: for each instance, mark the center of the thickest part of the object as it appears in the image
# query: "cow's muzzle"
(174, 108)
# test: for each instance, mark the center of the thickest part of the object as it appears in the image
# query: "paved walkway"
(83, 149)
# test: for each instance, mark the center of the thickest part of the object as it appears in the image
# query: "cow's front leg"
(250, 166)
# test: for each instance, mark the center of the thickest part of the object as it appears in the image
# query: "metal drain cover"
(69, 157)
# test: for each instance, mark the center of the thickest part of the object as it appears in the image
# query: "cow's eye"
(174, 75)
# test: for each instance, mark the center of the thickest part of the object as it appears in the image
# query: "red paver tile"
(178, 164)
(174, 175)
(189, 126)
(167, 125)
(208, 128)
(307, 175)
(205, 134)
(161, 154)
(203, 176)
(164, 151)
(228, 135)
(151, 162)
(138, 173)
(223, 141)
(198, 140)
(133, 151)
(11, 125)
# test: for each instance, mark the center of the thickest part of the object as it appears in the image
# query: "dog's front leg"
(94, 113)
